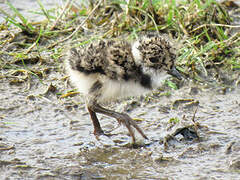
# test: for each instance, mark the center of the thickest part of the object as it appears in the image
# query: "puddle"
(30, 8)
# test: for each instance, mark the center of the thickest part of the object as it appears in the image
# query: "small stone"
(235, 164)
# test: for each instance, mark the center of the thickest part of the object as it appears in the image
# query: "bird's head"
(155, 52)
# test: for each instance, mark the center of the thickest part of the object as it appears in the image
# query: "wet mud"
(44, 136)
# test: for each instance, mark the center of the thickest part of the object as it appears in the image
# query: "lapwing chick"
(107, 70)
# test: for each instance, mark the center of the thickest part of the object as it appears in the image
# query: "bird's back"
(109, 58)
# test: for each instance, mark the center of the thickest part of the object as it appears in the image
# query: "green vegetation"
(207, 43)
(174, 120)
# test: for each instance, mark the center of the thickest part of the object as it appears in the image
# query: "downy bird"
(107, 70)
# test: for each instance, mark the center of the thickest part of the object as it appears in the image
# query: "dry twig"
(220, 25)
(60, 16)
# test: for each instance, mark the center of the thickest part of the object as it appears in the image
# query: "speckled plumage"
(112, 59)
(141, 64)
(110, 69)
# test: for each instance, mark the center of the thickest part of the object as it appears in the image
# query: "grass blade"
(21, 17)
(45, 12)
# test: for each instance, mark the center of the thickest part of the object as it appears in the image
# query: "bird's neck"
(157, 77)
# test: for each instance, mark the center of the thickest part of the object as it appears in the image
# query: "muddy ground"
(44, 136)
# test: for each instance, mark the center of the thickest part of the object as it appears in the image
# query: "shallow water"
(29, 8)
(45, 137)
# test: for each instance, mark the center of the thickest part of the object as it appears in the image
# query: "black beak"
(174, 72)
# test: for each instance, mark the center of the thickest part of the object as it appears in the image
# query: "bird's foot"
(129, 123)
(102, 133)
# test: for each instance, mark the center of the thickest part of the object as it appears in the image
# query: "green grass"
(45, 12)
(174, 120)
(201, 29)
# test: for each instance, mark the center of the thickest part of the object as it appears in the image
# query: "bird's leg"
(121, 118)
(97, 128)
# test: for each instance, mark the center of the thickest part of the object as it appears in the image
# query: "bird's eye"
(153, 59)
